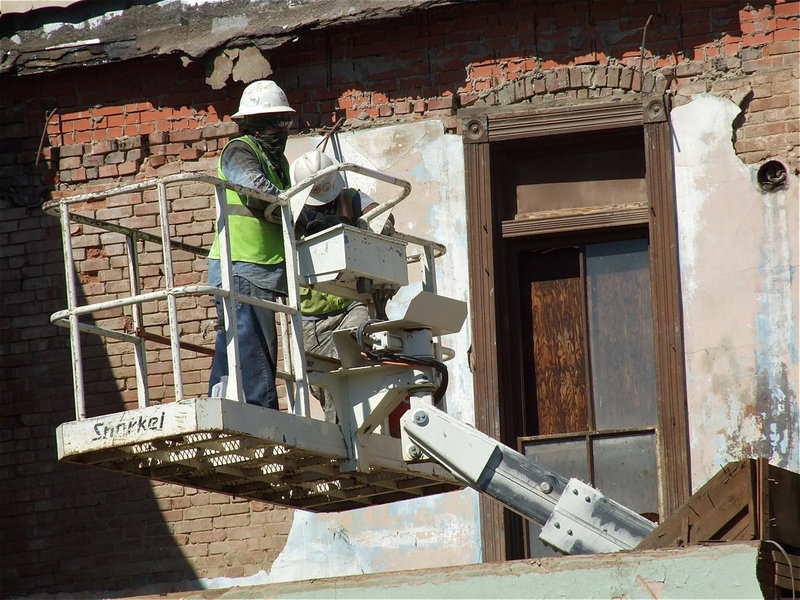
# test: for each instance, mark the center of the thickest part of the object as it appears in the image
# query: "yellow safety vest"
(253, 239)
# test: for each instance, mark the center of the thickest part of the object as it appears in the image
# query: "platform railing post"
(429, 282)
(286, 350)
(74, 331)
(429, 269)
(234, 389)
(172, 307)
(302, 405)
(140, 356)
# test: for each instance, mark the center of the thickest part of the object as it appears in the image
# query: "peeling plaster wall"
(738, 261)
(441, 530)
(433, 162)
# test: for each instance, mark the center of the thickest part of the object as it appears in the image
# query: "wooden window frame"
(486, 234)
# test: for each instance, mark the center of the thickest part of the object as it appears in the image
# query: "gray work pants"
(318, 341)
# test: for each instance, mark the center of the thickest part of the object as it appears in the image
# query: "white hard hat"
(262, 97)
(308, 165)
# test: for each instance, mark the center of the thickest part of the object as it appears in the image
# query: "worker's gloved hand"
(321, 222)
(388, 227)
(306, 215)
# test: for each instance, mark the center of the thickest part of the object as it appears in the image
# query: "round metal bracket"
(421, 418)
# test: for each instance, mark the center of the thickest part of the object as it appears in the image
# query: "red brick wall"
(501, 53)
(65, 528)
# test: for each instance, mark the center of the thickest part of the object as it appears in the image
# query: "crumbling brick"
(575, 78)
(446, 102)
(128, 168)
(190, 153)
(103, 146)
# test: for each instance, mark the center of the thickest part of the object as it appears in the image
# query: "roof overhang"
(38, 37)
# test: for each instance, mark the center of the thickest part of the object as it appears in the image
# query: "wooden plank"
(752, 506)
(786, 583)
(672, 532)
(787, 570)
(749, 499)
(567, 221)
(779, 558)
(762, 497)
(667, 305)
(788, 573)
(714, 524)
(781, 521)
(743, 530)
(557, 336)
(717, 511)
(481, 234)
(564, 120)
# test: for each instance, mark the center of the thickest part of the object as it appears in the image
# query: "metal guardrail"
(280, 209)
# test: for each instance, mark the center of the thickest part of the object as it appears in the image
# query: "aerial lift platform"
(396, 360)
(223, 444)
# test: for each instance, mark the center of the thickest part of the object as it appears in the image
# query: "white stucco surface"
(439, 530)
(689, 572)
(738, 250)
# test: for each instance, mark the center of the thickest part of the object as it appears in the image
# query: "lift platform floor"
(246, 451)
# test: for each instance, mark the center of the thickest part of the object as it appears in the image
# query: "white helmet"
(262, 97)
(308, 165)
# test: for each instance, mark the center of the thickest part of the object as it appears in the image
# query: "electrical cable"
(386, 357)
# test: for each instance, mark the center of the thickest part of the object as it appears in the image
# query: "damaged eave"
(90, 33)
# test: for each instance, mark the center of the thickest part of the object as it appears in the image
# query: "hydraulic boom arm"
(575, 517)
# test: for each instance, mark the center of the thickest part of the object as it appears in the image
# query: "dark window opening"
(582, 394)
(589, 403)
(573, 251)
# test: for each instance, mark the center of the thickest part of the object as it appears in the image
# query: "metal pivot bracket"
(365, 396)
(586, 522)
(577, 518)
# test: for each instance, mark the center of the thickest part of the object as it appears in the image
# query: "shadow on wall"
(63, 529)
(33, 176)
(68, 529)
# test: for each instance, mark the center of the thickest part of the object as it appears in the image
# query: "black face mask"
(273, 145)
(272, 142)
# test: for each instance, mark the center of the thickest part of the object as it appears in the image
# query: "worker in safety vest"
(329, 203)
(254, 160)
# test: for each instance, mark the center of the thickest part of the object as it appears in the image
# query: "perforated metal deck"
(250, 452)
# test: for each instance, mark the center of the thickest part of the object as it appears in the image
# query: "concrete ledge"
(710, 571)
